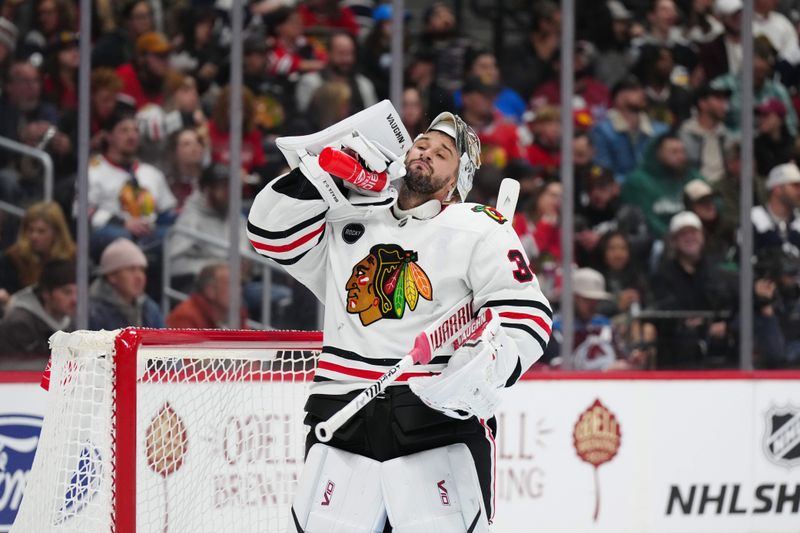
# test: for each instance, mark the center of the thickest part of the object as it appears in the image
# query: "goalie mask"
(467, 146)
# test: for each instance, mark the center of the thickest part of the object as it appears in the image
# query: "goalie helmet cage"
(170, 431)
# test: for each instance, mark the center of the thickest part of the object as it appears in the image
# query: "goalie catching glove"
(477, 371)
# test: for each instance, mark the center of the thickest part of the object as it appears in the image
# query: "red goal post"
(171, 430)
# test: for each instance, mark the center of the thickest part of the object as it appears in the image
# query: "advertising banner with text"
(584, 455)
(644, 455)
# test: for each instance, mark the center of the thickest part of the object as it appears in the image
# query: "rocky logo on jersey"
(491, 212)
(352, 232)
(384, 282)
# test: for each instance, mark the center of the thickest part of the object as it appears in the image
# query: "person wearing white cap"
(776, 223)
(724, 53)
(385, 273)
(720, 233)
(116, 297)
(614, 61)
(687, 280)
(594, 345)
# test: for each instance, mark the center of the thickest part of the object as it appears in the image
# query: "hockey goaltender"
(419, 458)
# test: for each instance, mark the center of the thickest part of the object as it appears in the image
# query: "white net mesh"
(219, 436)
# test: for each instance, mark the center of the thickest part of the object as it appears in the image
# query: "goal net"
(170, 431)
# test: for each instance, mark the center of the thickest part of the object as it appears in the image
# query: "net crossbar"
(172, 430)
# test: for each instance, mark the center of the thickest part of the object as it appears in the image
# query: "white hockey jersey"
(385, 278)
(110, 194)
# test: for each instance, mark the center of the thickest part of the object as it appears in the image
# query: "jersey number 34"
(523, 272)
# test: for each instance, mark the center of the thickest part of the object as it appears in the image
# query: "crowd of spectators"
(656, 152)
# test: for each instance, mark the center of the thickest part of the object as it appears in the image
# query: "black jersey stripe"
(353, 356)
(387, 361)
(520, 303)
(295, 185)
(275, 235)
(527, 330)
(368, 204)
(515, 374)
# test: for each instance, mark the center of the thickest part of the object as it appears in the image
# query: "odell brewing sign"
(596, 438)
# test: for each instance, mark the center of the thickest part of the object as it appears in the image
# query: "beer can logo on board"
(782, 435)
(19, 437)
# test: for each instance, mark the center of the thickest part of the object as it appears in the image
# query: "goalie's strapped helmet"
(467, 145)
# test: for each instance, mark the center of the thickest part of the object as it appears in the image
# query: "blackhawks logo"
(491, 212)
(384, 282)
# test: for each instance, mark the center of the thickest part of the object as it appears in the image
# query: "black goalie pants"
(397, 423)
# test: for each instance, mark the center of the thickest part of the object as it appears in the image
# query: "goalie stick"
(507, 197)
(453, 328)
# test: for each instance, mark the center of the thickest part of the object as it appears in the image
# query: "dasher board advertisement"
(582, 455)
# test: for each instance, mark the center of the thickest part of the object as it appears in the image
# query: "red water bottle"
(343, 166)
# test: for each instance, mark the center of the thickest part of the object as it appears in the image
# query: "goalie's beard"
(419, 179)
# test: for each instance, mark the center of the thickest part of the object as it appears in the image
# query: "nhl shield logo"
(782, 435)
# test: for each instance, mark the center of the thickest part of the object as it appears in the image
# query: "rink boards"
(671, 452)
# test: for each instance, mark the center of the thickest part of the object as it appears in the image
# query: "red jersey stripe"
(290, 246)
(524, 316)
(367, 374)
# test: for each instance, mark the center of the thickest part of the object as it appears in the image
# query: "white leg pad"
(338, 492)
(435, 491)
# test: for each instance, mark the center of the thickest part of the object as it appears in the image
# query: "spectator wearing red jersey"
(328, 14)
(143, 80)
(544, 152)
(185, 153)
(590, 93)
(500, 141)
(290, 51)
(104, 87)
(253, 158)
(537, 224)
